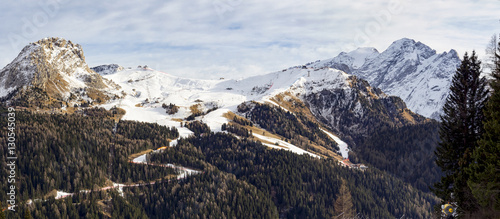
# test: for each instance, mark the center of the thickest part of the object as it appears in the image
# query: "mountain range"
(326, 109)
(52, 73)
(408, 69)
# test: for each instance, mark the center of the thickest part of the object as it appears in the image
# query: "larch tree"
(343, 205)
(491, 57)
(461, 127)
(484, 171)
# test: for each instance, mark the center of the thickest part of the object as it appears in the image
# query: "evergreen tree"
(2, 214)
(460, 130)
(27, 214)
(484, 172)
(343, 204)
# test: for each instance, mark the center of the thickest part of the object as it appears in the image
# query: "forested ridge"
(298, 128)
(301, 186)
(71, 152)
(407, 152)
(240, 176)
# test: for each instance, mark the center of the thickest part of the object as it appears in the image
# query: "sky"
(235, 39)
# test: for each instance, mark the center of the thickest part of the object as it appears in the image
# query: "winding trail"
(185, 172)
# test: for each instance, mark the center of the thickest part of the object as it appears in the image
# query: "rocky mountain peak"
(56, 43)
(407, 68)
(408, 48)
(56, 69)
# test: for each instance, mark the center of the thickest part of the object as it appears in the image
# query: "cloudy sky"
(239, 38)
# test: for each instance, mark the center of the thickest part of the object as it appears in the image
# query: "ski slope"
(144, 91)
(344, 149)
(283, 145)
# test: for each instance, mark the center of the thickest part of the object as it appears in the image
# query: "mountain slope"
(52, 72)
(292, 109)
(72, 150)
(408, 69)
(334, 99)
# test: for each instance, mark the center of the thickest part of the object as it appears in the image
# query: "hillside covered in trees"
(407, 152)
(238, 176)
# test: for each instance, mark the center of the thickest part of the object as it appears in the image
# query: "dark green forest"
(240, 177)
(71, 152)
(469, 144)
(302, 186)
(407, 152)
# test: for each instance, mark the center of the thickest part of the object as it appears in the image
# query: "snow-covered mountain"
(408, 69)
(52, 72)
(341, 101)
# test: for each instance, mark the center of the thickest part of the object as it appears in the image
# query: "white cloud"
(235, 38)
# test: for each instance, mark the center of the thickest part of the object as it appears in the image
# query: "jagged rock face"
(107, 69)
(358, 110)
(347, 104)
(55, 68)
(408, 69)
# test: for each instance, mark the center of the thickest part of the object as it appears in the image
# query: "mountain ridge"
(343, 103)
(408, 69)
(302, 110)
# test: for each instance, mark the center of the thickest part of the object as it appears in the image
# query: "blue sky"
(237, 38)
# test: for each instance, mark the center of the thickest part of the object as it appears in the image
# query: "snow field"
(283, 145)
(344, 149)
(161, 88)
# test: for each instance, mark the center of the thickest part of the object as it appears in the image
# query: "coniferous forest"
(413, 168)
(238, 178)
(404, 152)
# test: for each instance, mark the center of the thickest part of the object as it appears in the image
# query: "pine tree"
(343, 204)
(484, 172)
(460, 130)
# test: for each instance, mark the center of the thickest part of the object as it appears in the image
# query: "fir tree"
(460, 130)
(484, 172)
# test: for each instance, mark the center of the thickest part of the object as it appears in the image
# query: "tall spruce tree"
(484, 171)
(460, 130)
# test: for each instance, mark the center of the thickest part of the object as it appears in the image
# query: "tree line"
(298, 128)
(469, 150)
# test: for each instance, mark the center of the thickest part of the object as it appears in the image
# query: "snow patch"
(119, 187)
(344, 148)
(141, 159)
(184, 171)
(61, 194)
(285, 145)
